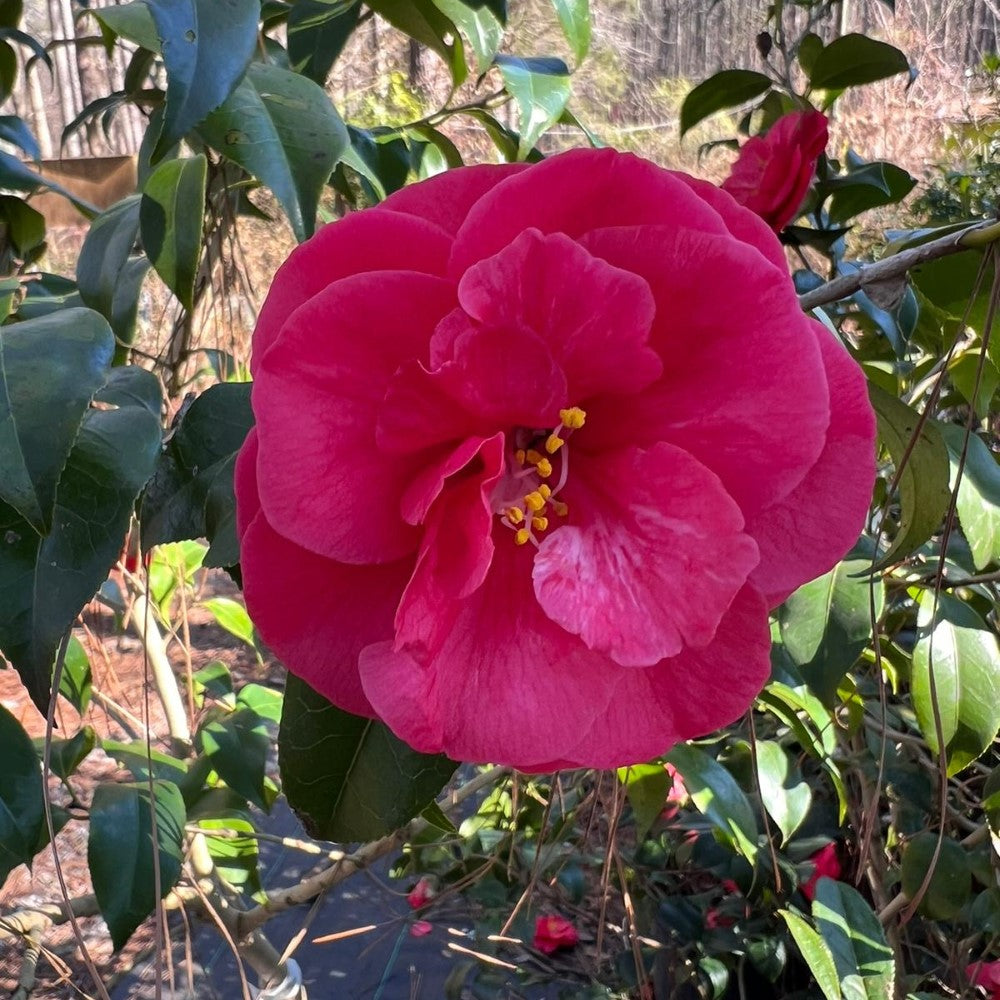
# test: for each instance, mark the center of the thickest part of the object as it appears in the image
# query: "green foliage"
(22, 810)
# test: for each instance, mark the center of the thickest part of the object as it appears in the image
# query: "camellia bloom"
(825, 864)
(553, 933)
(536, 449)
(773, 171)
(986, 975)
(421, 894)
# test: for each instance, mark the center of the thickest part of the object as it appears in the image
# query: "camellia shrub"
(630, 541)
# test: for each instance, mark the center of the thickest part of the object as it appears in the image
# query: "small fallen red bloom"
(420, 928)
(773, 172)
(552, 933)
(421, 894)
(825, 862)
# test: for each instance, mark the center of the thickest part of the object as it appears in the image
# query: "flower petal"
(327, 486)
(655, 556)
(744, 391)
(811, 529)
(316, 614)
(594, 318)
(372, 240)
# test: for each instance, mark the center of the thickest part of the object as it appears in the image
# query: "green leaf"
(131, 21)
(120, 851)
(194, 476)
(978, 494)
(923, 485)
(207, 46)
(107, 273)
(170, 221)
(22, 810)
(143, 762)
(870, 186)
(317, 34)
(25, 226)
(816, 953)
(237, 744)
(50, 369)
(265, 701)
(65, 756)
(541, 88)
(965, 659)
(854, 59)
(424, 22)
(784, 792)
(76, 684)
(646, 786)
(827, 623)
(716, 794)
(45, 579)
(235, 856)
(281, 128)
(347, 778)
(479, 24)
(232, 616)
(951, 882)
(852, 932)
(574, 16)
(728, 89)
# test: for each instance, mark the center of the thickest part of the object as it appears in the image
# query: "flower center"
(529, 492)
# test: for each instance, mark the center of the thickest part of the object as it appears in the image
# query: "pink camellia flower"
(553, 933)
(986, 975)
(773, 171)
(537, 447)
(421, 894)
(825, 863)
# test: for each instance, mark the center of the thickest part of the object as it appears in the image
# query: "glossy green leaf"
(121, 853)
(965, 659)
(76, 683)
(265, 701)
(479, 24)
(574, 16)
(348, 778)
(728, 89)
(170, 222)
(232, 616)
(816, 953)
(132, 21)
(852, 932)
(870, 186)
(978, 494)
(232, 843)
(541, 88)
(237, 744)
(50, 369)
(143, 761)
(65, 756)
(785, 794)
(22, 811)
(425, 23)
(108, 274)
(317, 34)
(715, 793)
(281, 128)
(646, 786)
(827, 623)
(951, 882)
(855, 59)
(206, 46)
(923, 485)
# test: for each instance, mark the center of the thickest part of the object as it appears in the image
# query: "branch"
(894, 267)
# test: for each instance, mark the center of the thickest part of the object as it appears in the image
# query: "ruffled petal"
(594, 318)
(324, 483)
(745, 389)
(654, 556)
(372, 240)
(812, 528)
(316, 614)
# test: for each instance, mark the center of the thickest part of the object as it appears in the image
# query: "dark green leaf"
(317, 34)
(170, 221)
(207, 46)
(120, 851)
(50, 369)
(541, 88)
(8, 70)
(871, 186)
(816, 953)
(978, 494)
(951, 882)
(14, 131)
(574, 16)
(143, 762)
(965, 660)
(852, 932)
(715, 793)
(854, 59)
(25, 226)
(237, 744)
(350, 779)
(65, 756)
(727, 89)
(424, 22)
(281, 128)
(923, 485)
(22, 811)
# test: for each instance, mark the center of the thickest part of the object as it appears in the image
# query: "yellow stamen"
(521, 536)
(544, 467)
(553, 443)
(534, 457)
(534, 501)
(539, 523)
(545, 490)
(562, 509)
(573, 417)
(515, 515)
(520, 456)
